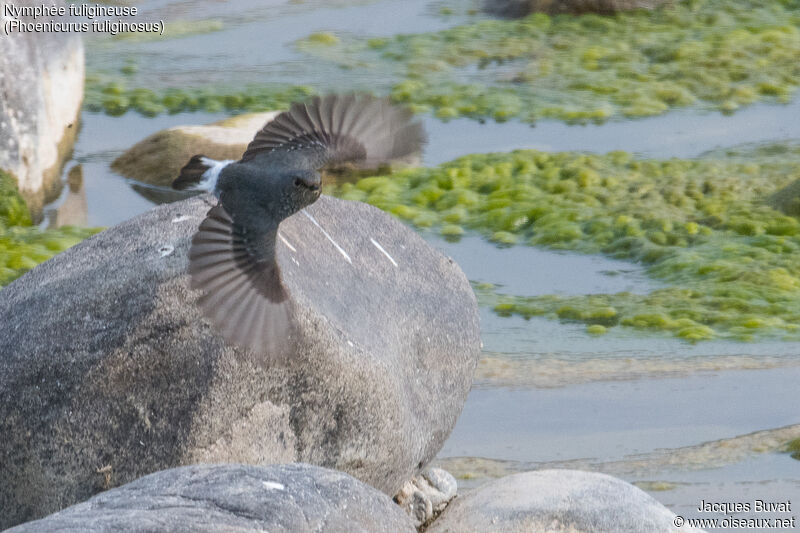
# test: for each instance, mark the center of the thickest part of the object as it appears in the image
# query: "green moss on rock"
(793, 447)
(23, 246)
(13, 211)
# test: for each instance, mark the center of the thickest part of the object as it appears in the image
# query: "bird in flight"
(232, 255)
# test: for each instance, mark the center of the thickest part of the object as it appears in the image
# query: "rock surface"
(157, 160)
(295, 498)
(41, 83)
(521, 8)
(108, 372)
(568, 501)
(427, 494)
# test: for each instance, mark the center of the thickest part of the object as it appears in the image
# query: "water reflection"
(72, 208)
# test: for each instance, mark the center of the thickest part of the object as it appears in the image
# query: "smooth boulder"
(158, 159)
(108, 372)
(544, 501)
(41, 83)
(295, 498)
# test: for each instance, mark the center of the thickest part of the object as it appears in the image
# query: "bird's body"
(232, 258)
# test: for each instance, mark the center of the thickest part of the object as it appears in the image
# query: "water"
(546, 393)
(606, 421)
(677, 134)
(256, 42)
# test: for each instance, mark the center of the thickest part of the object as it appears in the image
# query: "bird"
(232, 254)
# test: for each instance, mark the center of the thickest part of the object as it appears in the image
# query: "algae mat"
(23, 246)
(702, 227)
(720, 54)
(716, 53)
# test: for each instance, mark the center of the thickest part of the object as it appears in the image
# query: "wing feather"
(336, 129)
(243, 296)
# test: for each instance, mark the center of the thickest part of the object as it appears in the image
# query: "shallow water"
(255, 42)
(605, 421)
(678, 134)
(546, 391)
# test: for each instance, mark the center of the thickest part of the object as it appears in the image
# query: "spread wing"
(242, 291)
(336, 129)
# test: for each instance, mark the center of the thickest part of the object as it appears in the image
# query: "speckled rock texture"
(108, 372)
(556, 501)
(296, 498)
(427, 494)
(41, 90)
(521, 8)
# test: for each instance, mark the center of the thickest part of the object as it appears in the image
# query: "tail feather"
(200, 174)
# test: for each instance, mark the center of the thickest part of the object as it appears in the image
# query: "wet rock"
(210, 498)
(158, 159)
(521, 8)
(427, 494)
(41, 83)
(108, 372)
(567, 501)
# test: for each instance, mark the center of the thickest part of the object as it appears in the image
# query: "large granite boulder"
(295, 498)
(568, 501)
(521, 8)
(108, 372)
(41, 83)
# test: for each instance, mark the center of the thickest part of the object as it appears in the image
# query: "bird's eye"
(297, 182)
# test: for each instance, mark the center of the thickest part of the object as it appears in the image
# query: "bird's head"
(297, 189)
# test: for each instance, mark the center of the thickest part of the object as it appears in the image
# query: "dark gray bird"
(232, 257)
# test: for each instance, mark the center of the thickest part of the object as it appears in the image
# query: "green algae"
(793, 448)
(114, 97)
(13, 211)
(23, 246)
(725, 260)
(596, 329)
(322, 39)
(719, 53)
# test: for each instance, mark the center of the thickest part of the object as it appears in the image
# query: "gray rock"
(108, 372)
(521, 8)
(426, 495)
(41, 83)
(295, 498)
(568, 501)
